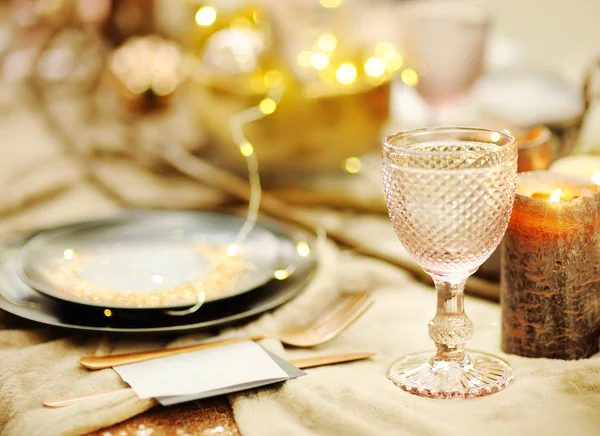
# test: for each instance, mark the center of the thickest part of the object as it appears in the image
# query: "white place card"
(212, 371)
(290, 369)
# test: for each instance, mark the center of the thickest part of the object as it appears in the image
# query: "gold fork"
(324, 330)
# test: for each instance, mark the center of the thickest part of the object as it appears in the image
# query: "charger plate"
(149, 260)
(18, 298)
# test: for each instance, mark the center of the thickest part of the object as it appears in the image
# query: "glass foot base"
(478, 375)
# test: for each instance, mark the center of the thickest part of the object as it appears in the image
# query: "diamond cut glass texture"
(450, 203)
(449, 193)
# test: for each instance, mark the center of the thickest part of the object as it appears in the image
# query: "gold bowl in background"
(333, 101)
(306, 134)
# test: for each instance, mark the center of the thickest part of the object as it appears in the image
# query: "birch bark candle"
(551, 268)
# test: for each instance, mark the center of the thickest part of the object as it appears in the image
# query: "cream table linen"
(38, 362)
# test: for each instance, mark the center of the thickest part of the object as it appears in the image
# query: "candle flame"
(555, 195)
(596, 177)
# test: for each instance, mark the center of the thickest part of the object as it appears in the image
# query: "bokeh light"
(346, 74)
(319, 61)
(246, 149)
(281, 274)
(302, 249)
(353, 165)
(327, 42)
(206, 16)
(374, 67)
(267, 106)
(410, 77)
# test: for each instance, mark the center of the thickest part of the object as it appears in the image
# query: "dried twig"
(69, 145)
(34, 198)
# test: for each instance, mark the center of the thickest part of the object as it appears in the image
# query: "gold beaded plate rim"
(19, 299)
(51, 261)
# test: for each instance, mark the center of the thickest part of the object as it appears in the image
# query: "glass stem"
(450, 329)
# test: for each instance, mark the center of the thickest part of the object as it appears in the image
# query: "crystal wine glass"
(449, 194)
(445, 41)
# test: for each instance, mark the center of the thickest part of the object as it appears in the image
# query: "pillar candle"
(551, 268)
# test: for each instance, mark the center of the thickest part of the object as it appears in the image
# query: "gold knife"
(308, 362)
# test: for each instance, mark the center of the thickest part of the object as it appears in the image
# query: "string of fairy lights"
(266, 107)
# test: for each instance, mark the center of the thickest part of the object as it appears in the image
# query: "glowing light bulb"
(281, 274)
(346, 74)
(319, 60)
(555, 195)
(206, 16)
(410, 77)
(327, 42)
(267, 106)
(353, 165)
(246, 149)
(374, 67)
(302, 249)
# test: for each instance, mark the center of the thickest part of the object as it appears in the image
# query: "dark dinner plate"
(19, 299)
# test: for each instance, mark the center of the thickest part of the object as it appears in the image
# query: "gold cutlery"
(308, 362)
(324, 330)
